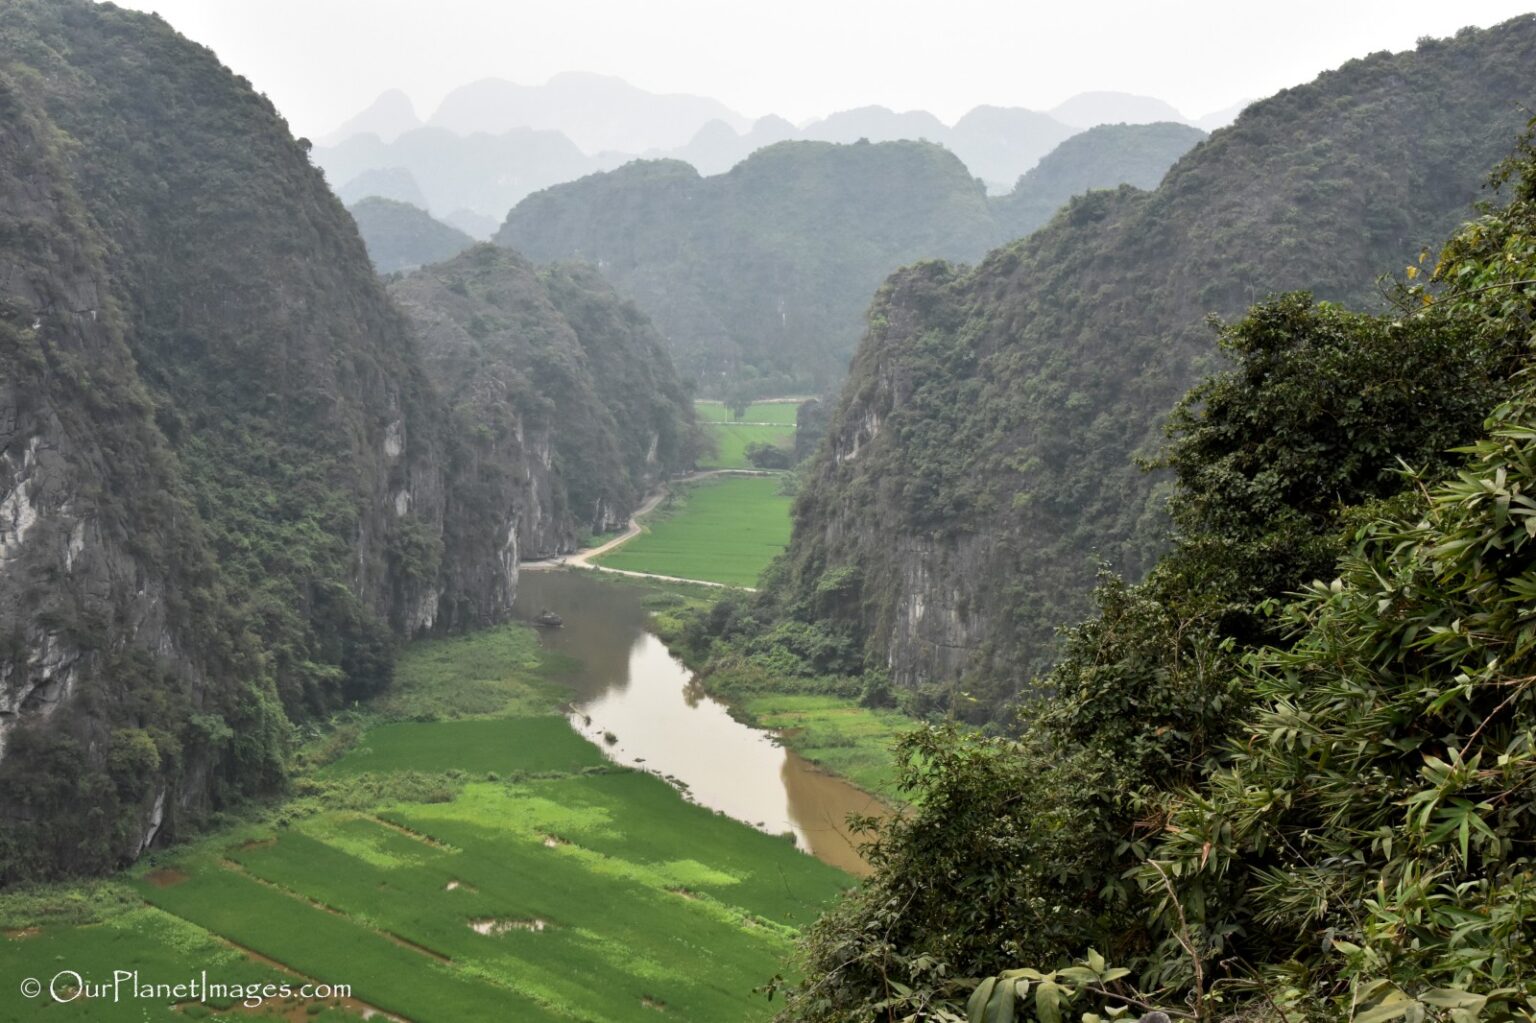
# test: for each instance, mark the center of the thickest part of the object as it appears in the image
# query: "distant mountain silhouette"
(395, 183)
(1221, 118)
(477, 225)
(596, 112)
(486, 173)
(1087, 109)
(390, 116)
(877, 124)
(997, 144)
(717, 147)
(1000, 143)
(493, 142)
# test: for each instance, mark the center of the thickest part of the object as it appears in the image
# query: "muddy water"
(630, 688)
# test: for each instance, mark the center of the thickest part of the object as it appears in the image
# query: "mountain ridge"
(980, 460)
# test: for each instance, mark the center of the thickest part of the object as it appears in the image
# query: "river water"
(629, 686)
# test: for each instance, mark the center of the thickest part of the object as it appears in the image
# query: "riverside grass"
(602, 893)
(835, 733)
(723, 530)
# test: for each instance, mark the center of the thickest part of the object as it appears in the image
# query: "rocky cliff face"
(980, 461)
(554, 378)
(228, 486)
(123, 674)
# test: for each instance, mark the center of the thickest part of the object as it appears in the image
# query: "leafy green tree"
(763, 455)
(1373, 823)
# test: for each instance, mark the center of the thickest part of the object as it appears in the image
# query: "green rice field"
(731, 440)
(780, 412)
(493, 866)
(724, 530)
(766, 422)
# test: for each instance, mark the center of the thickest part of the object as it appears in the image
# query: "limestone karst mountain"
(228, 484)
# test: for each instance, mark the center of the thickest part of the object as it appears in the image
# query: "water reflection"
(644, 708)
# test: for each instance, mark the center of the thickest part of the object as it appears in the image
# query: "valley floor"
(490, 864)
(724, 530)
(456, 851)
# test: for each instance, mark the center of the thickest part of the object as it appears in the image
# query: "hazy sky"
(323, 60)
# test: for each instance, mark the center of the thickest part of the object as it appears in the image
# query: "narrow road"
(583, 558)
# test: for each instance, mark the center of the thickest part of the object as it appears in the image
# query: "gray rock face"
(76, 586)
(566, 405)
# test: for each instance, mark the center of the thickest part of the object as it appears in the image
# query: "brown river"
(627, 685)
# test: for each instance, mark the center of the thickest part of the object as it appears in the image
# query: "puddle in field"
(494, 927)
(642, 707)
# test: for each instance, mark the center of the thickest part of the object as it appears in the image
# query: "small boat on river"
(548, 620)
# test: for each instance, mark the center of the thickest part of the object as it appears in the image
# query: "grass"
(724, 530)
(604, 895)
(836, 733)
(156, 944)
(766, 422)
(781, 412)
(731, 440)
(477, 746)
(494, 671)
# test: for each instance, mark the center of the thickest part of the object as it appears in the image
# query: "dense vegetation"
(1101, 157)
(1252, 792)
(550, 376)
(980, 464)
(400, 236)
(763, 273)
(227, 483)
(273, 440)
(760, 277)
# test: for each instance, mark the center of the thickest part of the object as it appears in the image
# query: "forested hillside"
(760, 278)
(227, 485)
(550, 375)
(981, 461)
(400, 236)
(1102, 157)
(762, 274)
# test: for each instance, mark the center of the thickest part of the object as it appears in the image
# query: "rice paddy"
(782, 411)
(765, 422)
(527, 879)
(724, 530)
